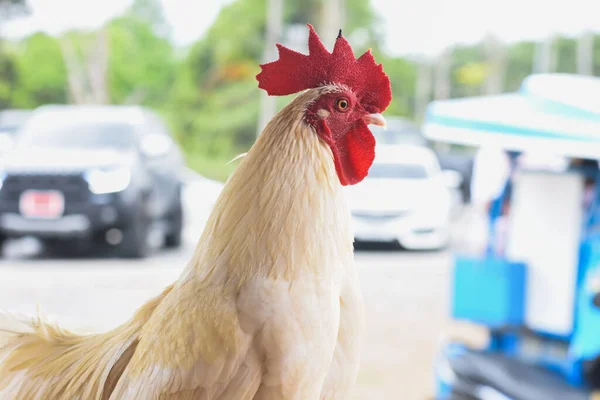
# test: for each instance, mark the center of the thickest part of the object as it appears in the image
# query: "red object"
(42, 204)
(294, 72)
(353, 152)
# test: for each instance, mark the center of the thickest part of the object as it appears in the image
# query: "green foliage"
(8, 78)
(42, 76)
(141, 65)
(215, 102)
(596, 46)
(472, 74)
(471, 57)
(152, 13)
(403, 76)
(217, 168)
(209, 93)
(519, 64)
(566, 55)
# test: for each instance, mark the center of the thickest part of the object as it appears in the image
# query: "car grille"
(73, 186)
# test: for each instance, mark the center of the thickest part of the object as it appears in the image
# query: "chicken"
(269, 306)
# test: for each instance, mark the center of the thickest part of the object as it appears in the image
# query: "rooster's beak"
(376, 119)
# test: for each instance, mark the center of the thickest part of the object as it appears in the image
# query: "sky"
(412, 27)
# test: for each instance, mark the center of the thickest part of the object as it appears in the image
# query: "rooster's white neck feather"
(282, 213)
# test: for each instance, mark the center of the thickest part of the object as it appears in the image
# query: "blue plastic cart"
(539, 295)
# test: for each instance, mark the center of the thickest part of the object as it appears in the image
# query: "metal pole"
(274, 30)
(544, 56)
(495, 56)
(424, 86)
(442, 85)
(332, 19)
(585, 53)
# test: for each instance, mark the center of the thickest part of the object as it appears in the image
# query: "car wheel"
(2, 241)
(175, 220)
(135, 236)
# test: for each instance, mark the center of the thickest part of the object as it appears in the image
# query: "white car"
(406, 198)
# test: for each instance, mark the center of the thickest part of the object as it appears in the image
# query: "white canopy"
(552, 113)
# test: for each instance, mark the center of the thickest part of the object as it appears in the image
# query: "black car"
(10, 122)
(83, 175)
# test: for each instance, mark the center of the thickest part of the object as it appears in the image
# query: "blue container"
(489, 291)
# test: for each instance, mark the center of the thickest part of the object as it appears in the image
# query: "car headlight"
(112, 180)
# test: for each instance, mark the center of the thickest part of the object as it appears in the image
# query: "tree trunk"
(544, 56)
(274, 30)
(78, 92)
(87, 78)
(424, 86)
(496, 58)
(331, 19)
(442, 83)
(97, 68)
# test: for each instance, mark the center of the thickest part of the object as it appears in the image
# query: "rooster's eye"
(342, 104)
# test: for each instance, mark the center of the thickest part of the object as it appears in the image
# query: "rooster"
(269, 306)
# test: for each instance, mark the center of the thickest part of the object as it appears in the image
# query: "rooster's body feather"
(268, 308)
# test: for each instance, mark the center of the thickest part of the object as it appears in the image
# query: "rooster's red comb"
(294, 72)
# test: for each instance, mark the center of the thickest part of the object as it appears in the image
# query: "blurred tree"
(442, 81)
(544, 57)
(9, 9)
(331, 18)
(273, 34)
(360, 24)
(565, 50)
(42, 76)
(8, 78)
(519, 64)
(423, 89)
(472, 74)
(403, 76)
(214, 95)
(85, 56)
(214, 102)
(469, 70)
(495, 59)
(596, 55)
(585, 53)
(129, 60)
(151, 12)
(141, 65)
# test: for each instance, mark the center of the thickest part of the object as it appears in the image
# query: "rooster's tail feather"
(14, 324)
(40, 360)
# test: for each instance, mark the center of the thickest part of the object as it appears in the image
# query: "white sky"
(412, 26)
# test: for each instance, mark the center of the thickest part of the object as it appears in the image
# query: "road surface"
(405, 297)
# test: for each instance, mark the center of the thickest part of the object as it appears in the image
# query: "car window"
(11, 121)
(399, 134)
(81, 134)
(11, 129)
(403, 171)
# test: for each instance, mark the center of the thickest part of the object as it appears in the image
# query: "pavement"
(406, 297)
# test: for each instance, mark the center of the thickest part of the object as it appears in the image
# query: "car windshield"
(10, 129)
(403, 171)
(399, 133)
(12, 120)
(89, 135)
